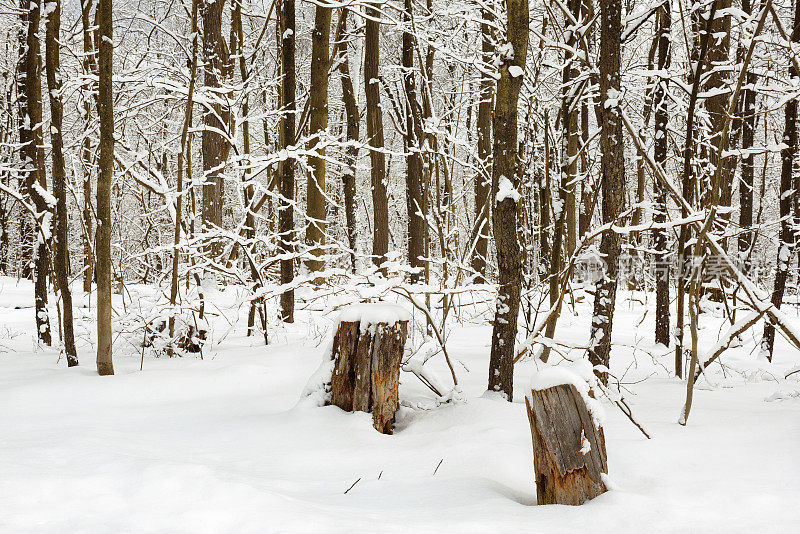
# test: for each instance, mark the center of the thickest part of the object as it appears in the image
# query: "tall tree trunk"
(718, 59)
(660, 103)
(59, 179)
(105, 365)
(687, 186)
(380, 202)
(316, 204)
(216, 116)
(748, 126)
(32, 152)
(416, 197)
(285, 214)
(612, 172)
(570, 117)
(484, 129)
(787, 199)
(187, 120)
(89, 63)
(505, 174)
(353, 120)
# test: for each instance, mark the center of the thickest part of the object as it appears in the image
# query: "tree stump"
(367, 352)
(569, 452)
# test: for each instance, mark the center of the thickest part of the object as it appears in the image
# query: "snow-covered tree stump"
(569, 450)
(367, 352)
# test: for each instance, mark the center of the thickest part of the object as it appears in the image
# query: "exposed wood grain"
(387, 351)
(560, 421)
(366, 369)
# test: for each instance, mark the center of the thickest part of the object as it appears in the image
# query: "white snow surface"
(228, 444)
(374, 313)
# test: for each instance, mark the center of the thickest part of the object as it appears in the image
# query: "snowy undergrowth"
(224, 444)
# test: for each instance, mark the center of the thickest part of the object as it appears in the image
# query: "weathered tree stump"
(367, 352)
(569, 451)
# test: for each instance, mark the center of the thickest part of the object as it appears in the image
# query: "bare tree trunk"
(89, 62)
(484, 129)
(380, 202)
(660, 103)
(505, 174)
(216, 116)
(105, 365)
(416, 203)
(612, 180)
(570, 116)
(687, 190)
(30, 136)
(351, 111)
(59, 179)
(187, 120)
(786, 247)
(316, 204)
(718, 58)
(285, 214)
(748, 126)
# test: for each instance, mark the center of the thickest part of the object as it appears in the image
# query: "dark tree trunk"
(216, 117)
(787, 199)
(416, 198)
(687, 187)
(612, 177)
(32, 152)
(380, 202)
(659, 194)
(506, 177)
(716, 105)
(286, 216)
(353, 120)
(89, 91)
(748, 126)
(59, 180)
(484, 130)
(570, 141)
(105, 365)
(316, 205)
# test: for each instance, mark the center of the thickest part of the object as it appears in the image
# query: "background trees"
(459, 129)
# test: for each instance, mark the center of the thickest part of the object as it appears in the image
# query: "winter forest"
(399, 266)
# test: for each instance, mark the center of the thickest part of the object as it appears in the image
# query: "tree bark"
(505, 174)
(59, 179)
(366, 368)
(786, 247)
(89, 63)
(285, 214)
(380, 202)
(660, 103)
(105, 364)
(29, 85)
(216, 116)
(416, 196)
(187, 120)
(569, 451)
(353, 120)
(612, 172)
(748, 126)
(316, 203)
(484, 130)
(570, 116)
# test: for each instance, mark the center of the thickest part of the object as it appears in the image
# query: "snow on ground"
(222, 445)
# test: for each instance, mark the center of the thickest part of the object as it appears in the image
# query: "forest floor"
(225, 444)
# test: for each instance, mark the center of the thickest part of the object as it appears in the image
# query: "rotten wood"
(569, 451)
